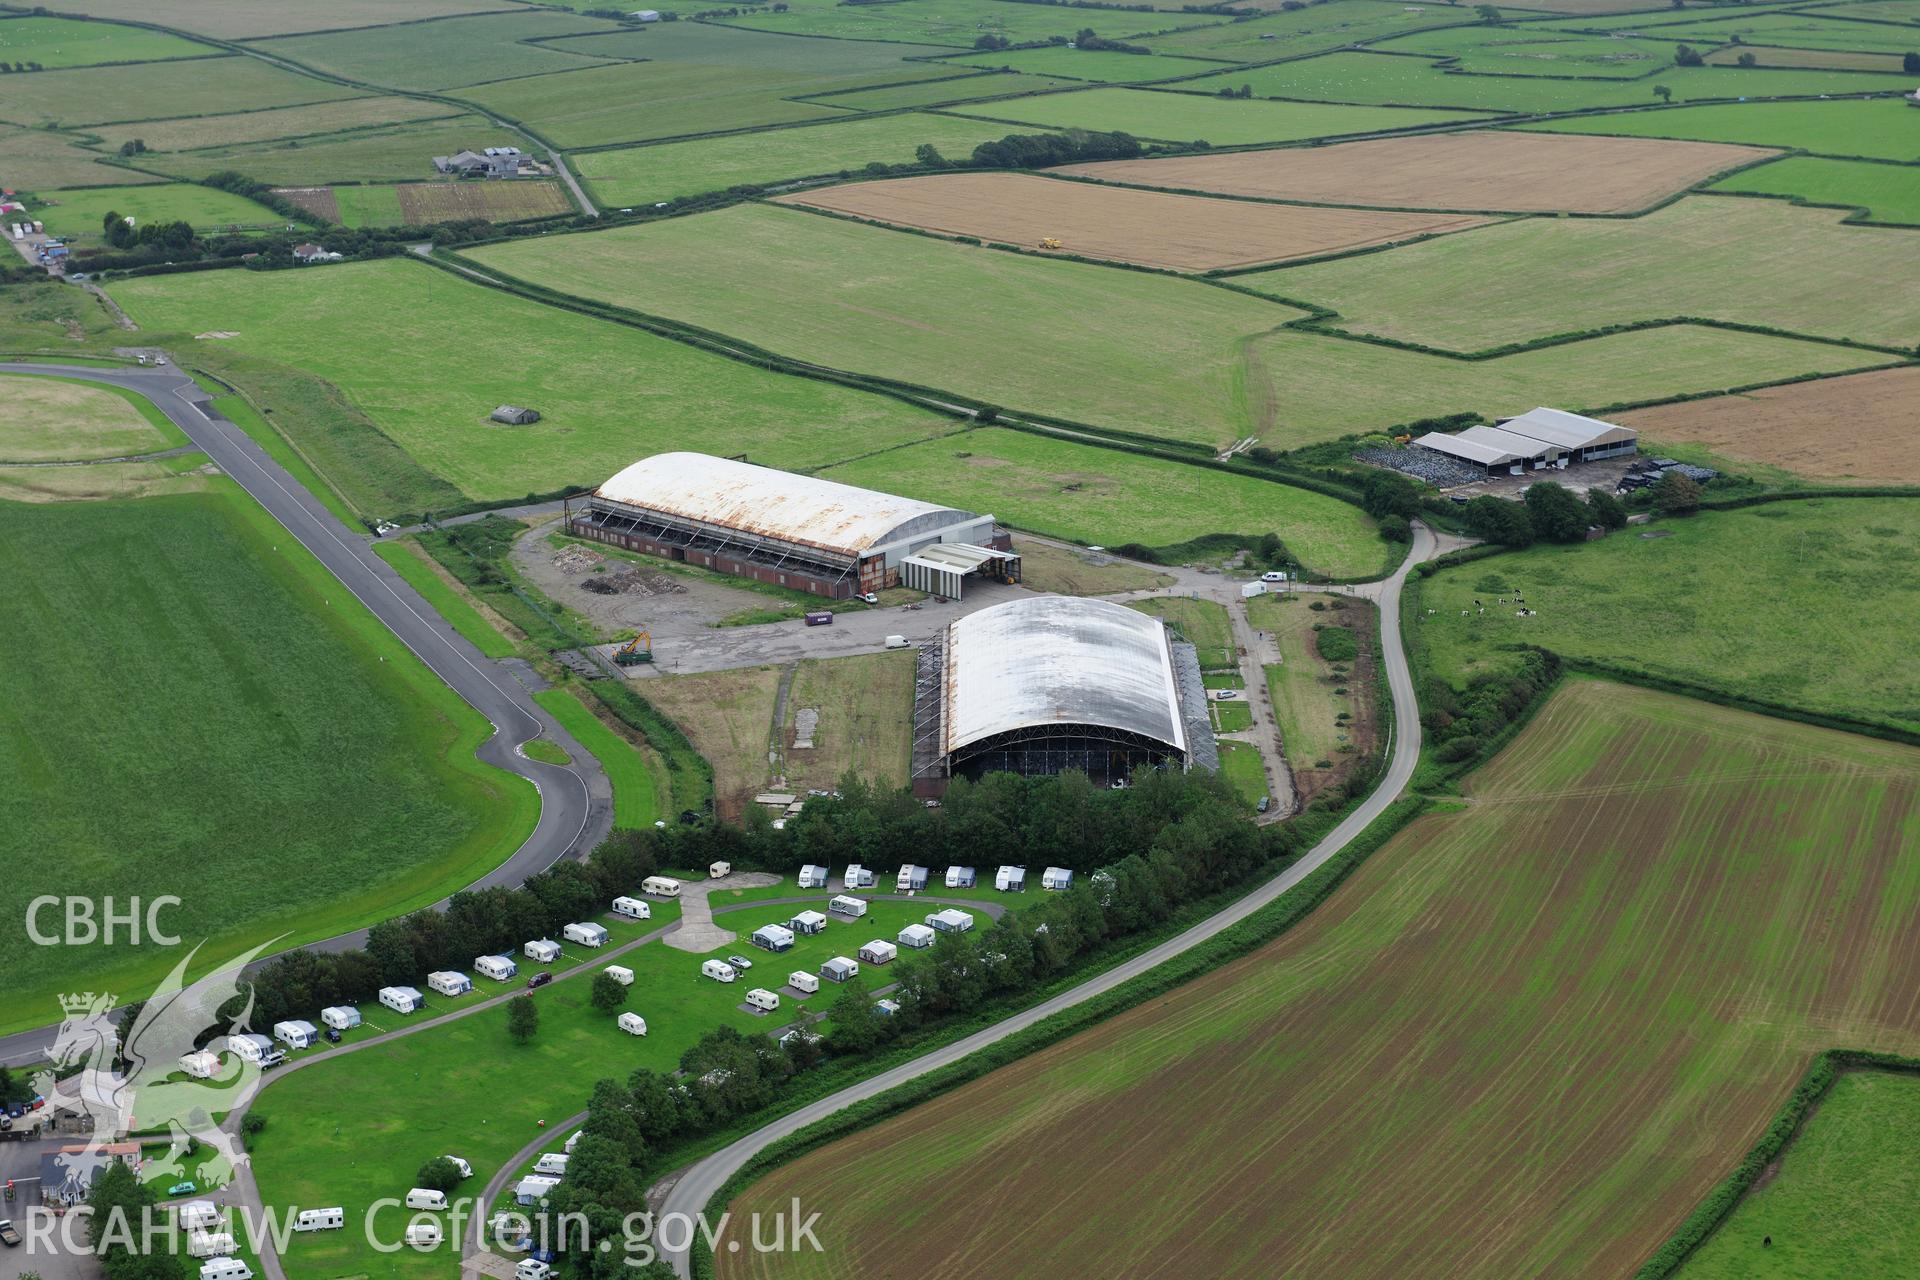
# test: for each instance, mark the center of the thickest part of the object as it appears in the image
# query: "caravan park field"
(1147, 228)
(327, 779)
(1512, 172)
(1851, 430)
(1524, 1038)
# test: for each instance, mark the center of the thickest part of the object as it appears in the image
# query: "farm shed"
(942, 570)
(790, 530)
(960, 877)
(499, 968)
(1049, 683)
(1497, 452)
(515, 415)
(773, 937)
(341, 1017)
(808, 922)
(839, 969)
(401, 999)
(911, 879)
(952, 920)
(1582, 438)
(450, 982)
(879, 951)
(917, 936)
(812, 877)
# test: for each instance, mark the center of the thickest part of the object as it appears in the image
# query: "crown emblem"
(86, 1002)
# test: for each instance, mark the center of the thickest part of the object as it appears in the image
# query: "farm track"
(696, 1185)
(576, 800)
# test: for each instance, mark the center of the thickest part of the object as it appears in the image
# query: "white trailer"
(718, 970)
(341, 1017)
(857, 877)
(911, 879)
(661, 886)
(426, 1198)
(296, 1033)
(844, 904)
(320, 1220)
(960, 877)
(1010, 879)
(196, 1215)
(211, 1244)
(225, 1269)
(201, 1066)
(530, 1190)
(1054, 879)
(552, 1165)
(499, 968)
(632, 908)
(879, 951)
(402, 999)
(632, 1023)
(450, 982)
(801, 980)
(541, 951)
(620, 974)
(720, 870)
(812, 877)
(763, 1000)
(586, 934)
(952, 920)
(917, 936)
(256, 1049)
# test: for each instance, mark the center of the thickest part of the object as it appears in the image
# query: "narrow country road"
(698, 1184)
(576, 800)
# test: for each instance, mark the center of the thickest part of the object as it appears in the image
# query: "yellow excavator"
(1050, 242)
(635, 651)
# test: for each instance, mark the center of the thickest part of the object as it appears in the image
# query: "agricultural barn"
(1051, 683)
(1534, 441)
(790, 530)
(515, 415)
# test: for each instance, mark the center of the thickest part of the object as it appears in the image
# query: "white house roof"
(803, 510)
(1568, 430)
(1059, 660)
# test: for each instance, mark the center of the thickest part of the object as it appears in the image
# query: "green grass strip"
(405, 559)
(637, 791)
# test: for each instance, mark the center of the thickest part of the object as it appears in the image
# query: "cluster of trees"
(133, 147)
(1688, 56)
(1550, 513)
(120, 1204)
(1393, 500)
(10, 68)
(1910, 63)
(1463, 724)
(993, 44)
(167, 237)
(1086, 39)
(1040, 150)
(12, 1090)
(1244, 91)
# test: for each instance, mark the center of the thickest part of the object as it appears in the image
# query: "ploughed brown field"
(428, 202)
(1524, 1039)
(1857, 429)
(1510, 172)
(1149, 228)
(318, 201)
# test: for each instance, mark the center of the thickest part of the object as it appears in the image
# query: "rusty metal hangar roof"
(803, 510)
(1059, 660)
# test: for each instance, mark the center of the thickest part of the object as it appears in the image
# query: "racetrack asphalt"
(698, 1184)
(576, 799)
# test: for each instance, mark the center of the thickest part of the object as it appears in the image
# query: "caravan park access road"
(576, 800)
(697, 1186)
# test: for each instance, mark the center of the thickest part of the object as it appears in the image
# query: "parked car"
(6, 1122)
(182, 1189)
(1266, 802)
(1226, 695)
(333, 1034)
(539, 980)
(8, 1236)
(740, 962)
(869, 597)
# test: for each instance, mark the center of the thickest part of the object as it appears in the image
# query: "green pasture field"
(352, 1131)
(1875, 10)
(641, 175)
(40, 314)
(200, 132)
(1025, 332)
(930, 93)
(452, 51)
(1202, 623)
(1765, 56)
(1106, 497)
(273, 17)
(81, 213)
(1808, 30)
(1240, 764)
(368, 206)
(1524, 1038)
(1537, 51)
(63, 42)
(1407, 80)
(1322, 388)
(1302, 31)
(1533, 277)
(701, 78)
(1841, 1201)
(406, 558)
(259, 719)
(1879, 129)
(1103, 65)
(1187, 117)
(955, 22)
(194, 86)
(1759, 621)
(1230, 717)
(399, 153)
(639, 792)
(34, 160)
(53, 419)
(1888, 192)
(448, 351)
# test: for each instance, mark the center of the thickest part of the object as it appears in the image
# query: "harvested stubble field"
(1525, 280)
(1513, 172)
(1106, 497)
(422, 203)
(1151, 228)
(47, 419)
(1524, 1039)
(1188, 117)
(1877, 128)
(199, 132)
(1852, 430)
(448, 351)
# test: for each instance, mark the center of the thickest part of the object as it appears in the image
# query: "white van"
(718, 970)
(632, 1023)
(661, 886)
(896, 642)
(425, 1198)
(424, 1235)
(320, 1220)
(763, 999)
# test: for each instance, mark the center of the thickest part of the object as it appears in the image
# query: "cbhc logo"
(88, 922)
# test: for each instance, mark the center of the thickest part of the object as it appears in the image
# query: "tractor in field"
(636, 651)
(1050, 242)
